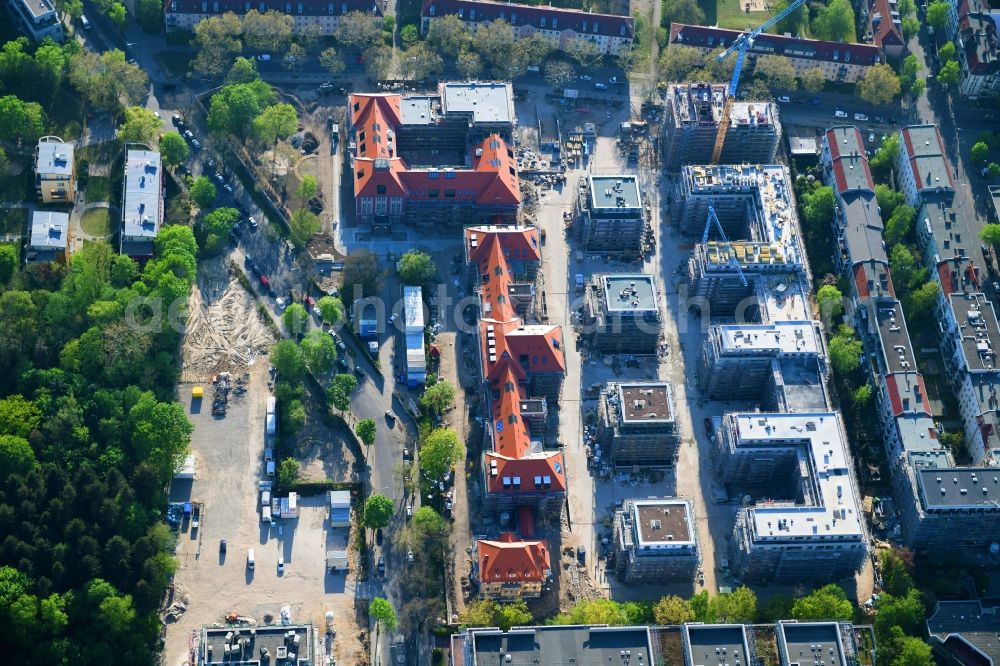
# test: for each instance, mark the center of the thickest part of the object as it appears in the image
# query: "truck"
(271, 425)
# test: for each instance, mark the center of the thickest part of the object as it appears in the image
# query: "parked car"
(281, 564)
(219, 179)
(784, 98)
(228, 188)
(310, 303)
(839, 114)
(177, 120)
(222, 546)
(264, 282)
(188, 135)
(601, 86)
(381, 565)
(253, 223)
(196, 144)
(860, 117)
(264, 57)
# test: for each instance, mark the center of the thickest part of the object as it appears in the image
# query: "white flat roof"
(413, 307)
(49, 230)
(835, 513)
(143, 194)
(780, 338)
(487, 102)
(782, 298)
(55, 158)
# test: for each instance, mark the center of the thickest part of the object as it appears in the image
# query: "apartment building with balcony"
(655, 541)
(637, 426)
(55, 170)
(142, 202)
(320, 15)
(38, 19)
(614, 216)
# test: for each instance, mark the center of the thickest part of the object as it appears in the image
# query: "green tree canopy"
(937, 15)
(673, 610)
(440, 451)
(378, 511)
(173, 148)
(831, 303)
(331, 309)
(202, 192)
(979, 153)
(244, 70)
(295, 318)
(845, 353)
(895, 572)
(898, 226)
(990, 234)
(217, 225)
(304, 225)
(366, 431)
(438, 398)
(140, 125)
(318, 351)
(827, 603)
(275, 122)
(340, 390)
(416, 268)
(20, 122)
(235, 108)
(288, 360)
(288, 471)
(907, 613)
(740, 605)
(880, 85)
(835, 22)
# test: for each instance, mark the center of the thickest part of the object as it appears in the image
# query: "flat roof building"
(637, 424)
(413, 334)
(528, 646)
(965, 632)
(38, 19)
(922, 167)
(693, 112)
(309, 14)
(798, 469)
(614, 216)
(55, 177)
(798, 642)
(484, 102)
(712, 644)
(655, 541)
(49, 240)
(622, 314)
(293, 644)
(142, 202)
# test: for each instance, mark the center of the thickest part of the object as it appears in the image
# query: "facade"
(841, 63)
(614, 216)
(693, 112)
(413, 334)
(283, 643)
(49, 239)
(436, 161)
(979, 55)
(324, 15)
(55, 171)
(805, 521)
(655, 541)
(510, 568)
(560, 27)
(622, 314)
(142, 201)
(37, 19)
(637, 424)
(921, 165)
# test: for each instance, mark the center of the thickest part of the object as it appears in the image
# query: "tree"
(880, 85)
(430, 528)
(359, 29)
(416, 268)
(895, 574)
(813, 79)
(920, 303)
(827, 603)
(468, 63)
(378, 61)
(440, 451)
(244, 70)
(495, 43)
(835, 22)
(419, 62)
(990, 234)
(159, 434)
(449, 35)
(979, 153)
(888, 199)
(818, 206)
(173, 148)
(585, 52)
(105, 79)
(862, 396)
(513, 615)
(910, 27)
(682, 11)
(673, 610)
(275, 122)
(332, 61)
(946, 53)
(777, 71)
(937, 15)
(378, 511)
(479, 613)
(795, 23)
(202, 192)
(217, 225)
(339, 392)
(740, 605)
(267, 31)
(218, 41)
(294, 58)
(235, 107)
(331, 309)
(845, 354)
(410, 35)
(906, 612)
(361, 274)
(382, 612)
(366, 431)
(288, 471)
(8, 262)
(678, 61)
(20, 122)
(288, 360)
(140, 126)
(318, 351)
(16, 456)
(948, 74)
(307, 189)
(884, 158)
(295, 318)
(149, 15)
(905, 268)
(992, 170)
(438, 398)
(116, 12)
(899, 224)
(304, 224)
(910, 651)
(559, 73)
(831, 303)
(530, 50)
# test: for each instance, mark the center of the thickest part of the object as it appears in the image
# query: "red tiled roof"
(536, 467)
(519, 243)
(871, 270)
(912, 155)
(848, 152)
(510, 433)
(956, 265)
(240, 7)
(537, 17)
(892, 385)
(887, 33)
(809, 49)
(509, 560)
(978, 38)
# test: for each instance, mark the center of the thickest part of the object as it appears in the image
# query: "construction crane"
(712, 217)
(741, 46)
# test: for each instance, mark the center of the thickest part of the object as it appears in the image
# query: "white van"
(265, 498)
(250, 559)
(85, 23)
(270, 468)
(265, 515)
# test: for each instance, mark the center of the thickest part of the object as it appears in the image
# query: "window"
(363, 148)
(433, 175)
(361, 135)
(300, 8)
(543, 21)
(498, 271)
(449, 174)
(357, 106)
(555, 22)
(534, 360)
(433, 194)
(361, 173)
(380, 189)
(545, 359)
(449, 193)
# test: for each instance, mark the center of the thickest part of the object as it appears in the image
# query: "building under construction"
(691, 125)
(655, 541)
(614, 219)
(621, 313)
(637, 424)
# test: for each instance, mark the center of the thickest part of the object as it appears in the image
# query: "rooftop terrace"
(662, 521)
(646, 402)
(614, 192)
(625, 292)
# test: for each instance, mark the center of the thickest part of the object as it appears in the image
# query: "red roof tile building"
(523, 366)
(561, 27)
(323, 14)
(979, 54)
(434, 161)
(512, 569)
(884, 27)
(843, 63)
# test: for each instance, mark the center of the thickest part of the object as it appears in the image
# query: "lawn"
(98, 189)
(13, 220)
(730, 14)
(96, 222)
